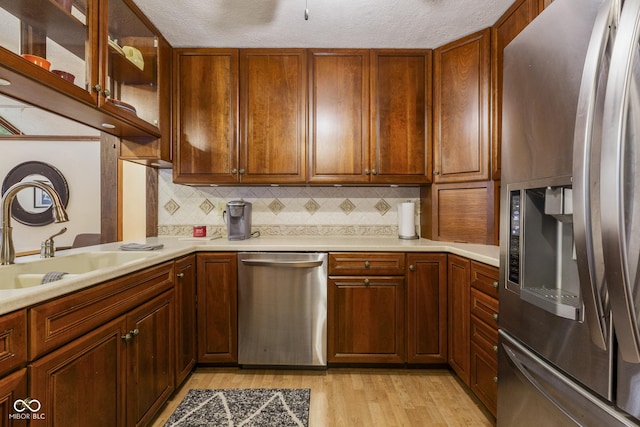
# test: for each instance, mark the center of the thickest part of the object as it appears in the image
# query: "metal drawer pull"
(128, 337)
(495, 380)
(495, 348)
(495, 285)
(366, 282)
(495, 316)
(180, 275)
(412, 268)
(288, 264)
(367, 264)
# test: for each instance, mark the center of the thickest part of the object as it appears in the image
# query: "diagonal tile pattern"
(285, 210)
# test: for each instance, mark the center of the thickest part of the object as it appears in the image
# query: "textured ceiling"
(331, 23)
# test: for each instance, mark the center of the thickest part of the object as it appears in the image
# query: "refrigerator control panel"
(514, 237)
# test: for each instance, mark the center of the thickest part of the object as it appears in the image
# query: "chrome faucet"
(7, 251)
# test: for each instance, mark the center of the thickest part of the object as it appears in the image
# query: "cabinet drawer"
(13, 341)
(484, 336)
(484, 307)
(484, 278)
(484, 378)
(365, 264)
(59, 321)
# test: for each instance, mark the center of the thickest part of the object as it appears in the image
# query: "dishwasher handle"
(278, 263)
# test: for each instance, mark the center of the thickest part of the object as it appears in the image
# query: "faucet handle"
(47, 249)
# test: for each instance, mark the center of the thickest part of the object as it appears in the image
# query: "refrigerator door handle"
(620, 219)
(586, 227)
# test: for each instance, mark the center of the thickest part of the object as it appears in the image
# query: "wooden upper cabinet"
(88, 37)
(400, 116)
(461, 109)
(206, 116)
(273, 115)
(543, 4)
(158, 152)
(338, 115)
(514, 20)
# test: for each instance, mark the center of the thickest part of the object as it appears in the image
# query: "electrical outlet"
(221, 207)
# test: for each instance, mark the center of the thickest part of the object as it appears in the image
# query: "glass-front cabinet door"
(130, 79)
(60, 54)
(52, 36)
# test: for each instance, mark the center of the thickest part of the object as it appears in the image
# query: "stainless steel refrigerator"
(569, 343)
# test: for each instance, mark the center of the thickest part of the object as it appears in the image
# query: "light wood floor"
(357, 397)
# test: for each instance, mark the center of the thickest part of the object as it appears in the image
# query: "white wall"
(79, 163)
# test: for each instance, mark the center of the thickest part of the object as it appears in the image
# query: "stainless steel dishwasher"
(282, 309)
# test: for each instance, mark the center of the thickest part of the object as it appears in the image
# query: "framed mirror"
(32, 206)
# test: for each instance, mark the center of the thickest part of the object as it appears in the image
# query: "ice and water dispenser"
(541, 259)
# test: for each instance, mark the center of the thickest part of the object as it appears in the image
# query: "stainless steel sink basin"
(30, 273)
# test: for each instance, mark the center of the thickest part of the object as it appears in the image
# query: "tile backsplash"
(279, 210)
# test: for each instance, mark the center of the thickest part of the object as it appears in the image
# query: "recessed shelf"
(48, 18)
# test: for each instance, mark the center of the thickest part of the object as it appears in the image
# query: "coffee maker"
(238, 219)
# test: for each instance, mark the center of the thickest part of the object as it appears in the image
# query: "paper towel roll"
(406, 220)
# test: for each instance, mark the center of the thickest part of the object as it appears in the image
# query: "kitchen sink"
(30, 273)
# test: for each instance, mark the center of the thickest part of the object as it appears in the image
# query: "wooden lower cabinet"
(83, 383)
(484, 364)
(150, 358)
(365, 319)
(186, 320)
(119, 374)
(484, 309)
(13, 341)
(472, 290)
(426, 308)
(458, 288)
(217, 308)
(12, 388)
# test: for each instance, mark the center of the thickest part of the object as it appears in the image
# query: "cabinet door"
(339, 115)
(514, 20)
(13, 341)
(365, 320)
(461, 101)
(158, 151)
(206, 115)
(543, 4)
(128, 84)
(427, 308)
(65, 37)
(458, 315)
(273, 115)
(12, 388)
(150, 358)
(400, 116)
(217, 308)
(185, 291)
(83, 383)
(443, 218)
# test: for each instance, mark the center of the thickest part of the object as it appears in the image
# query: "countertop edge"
(177, 247)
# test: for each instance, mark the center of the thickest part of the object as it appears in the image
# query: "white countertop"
(174, 247)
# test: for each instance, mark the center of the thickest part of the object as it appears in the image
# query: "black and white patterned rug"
(246, 407)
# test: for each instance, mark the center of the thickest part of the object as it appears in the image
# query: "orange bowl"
(37, 60)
